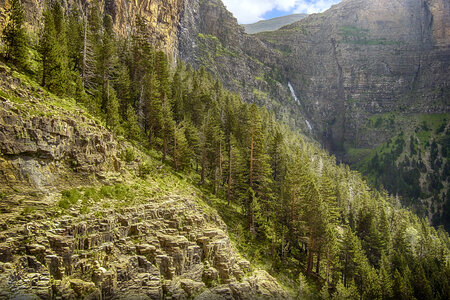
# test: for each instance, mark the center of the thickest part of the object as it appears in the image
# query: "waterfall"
(291, 88)
(309, 125)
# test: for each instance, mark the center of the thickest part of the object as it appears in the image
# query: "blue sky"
(250, 11)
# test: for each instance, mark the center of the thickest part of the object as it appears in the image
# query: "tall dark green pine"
(75, 32)
(166, 122)
(51, 48)
(259, 172)
(181, 153)
(107, 60)
(131, 125)
(92, 42)
(112, 108)
(14, 35)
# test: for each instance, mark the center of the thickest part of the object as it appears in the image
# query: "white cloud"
(249, 11)
(314, 6)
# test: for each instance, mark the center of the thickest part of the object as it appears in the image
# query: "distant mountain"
(272, 24)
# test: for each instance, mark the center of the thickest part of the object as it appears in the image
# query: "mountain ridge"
(272, 24)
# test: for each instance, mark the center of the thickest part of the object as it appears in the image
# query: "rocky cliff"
(79, 221)
(162, 17)
(362, 58)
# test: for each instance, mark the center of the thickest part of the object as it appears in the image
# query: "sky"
(250, 11)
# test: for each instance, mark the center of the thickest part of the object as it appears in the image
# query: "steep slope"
(77, 220)
(368, 72)
(362, 58)
(210, 37)
(272, 24)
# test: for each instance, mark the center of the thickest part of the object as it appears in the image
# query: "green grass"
(359, 36)
(28, 210)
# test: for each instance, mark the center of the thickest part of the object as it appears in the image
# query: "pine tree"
(15, 36)
(192, 137)
(112, 108)
(385, 277)
(75, 33)
(54, 51)
(259, 170)
(107, 59)
(92, 38)
(131, 125)
(181, 152)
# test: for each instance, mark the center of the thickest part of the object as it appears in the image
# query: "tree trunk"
(175, 159)
(251, 195)
(318, 261)
(310, 256)
(229, 175)
(202, 176)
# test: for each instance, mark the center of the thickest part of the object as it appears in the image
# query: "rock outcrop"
(165, 249)
(42, 141)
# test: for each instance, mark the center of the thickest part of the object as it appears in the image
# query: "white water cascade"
(309, 125)
(291, 88)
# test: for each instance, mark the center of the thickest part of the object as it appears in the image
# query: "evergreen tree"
(259, 170)
(181, 152)
(52, 48)
(107, 59)
(385, 277)
(131, 125)
(112, 108)
(14, 35)
(75, 33)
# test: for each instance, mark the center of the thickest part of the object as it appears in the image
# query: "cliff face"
(362, 58)
(162, 16)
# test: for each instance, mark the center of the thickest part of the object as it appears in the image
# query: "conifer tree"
(107, 59)
(92, 38)
(131, 125)
(75, 31)
(112, 108)
(384, 274)
(53, 49)
(14, 35)
(181, 152)
(259, 170)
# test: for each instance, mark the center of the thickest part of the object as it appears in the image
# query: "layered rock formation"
(162, 16)
(165, 249)
(40, 143)
(367, 57)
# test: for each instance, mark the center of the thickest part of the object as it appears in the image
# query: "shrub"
(144, 169)
(128, 154)
(91, 194)
(68, 198)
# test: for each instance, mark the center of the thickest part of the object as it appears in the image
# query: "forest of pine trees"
(316, 220)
